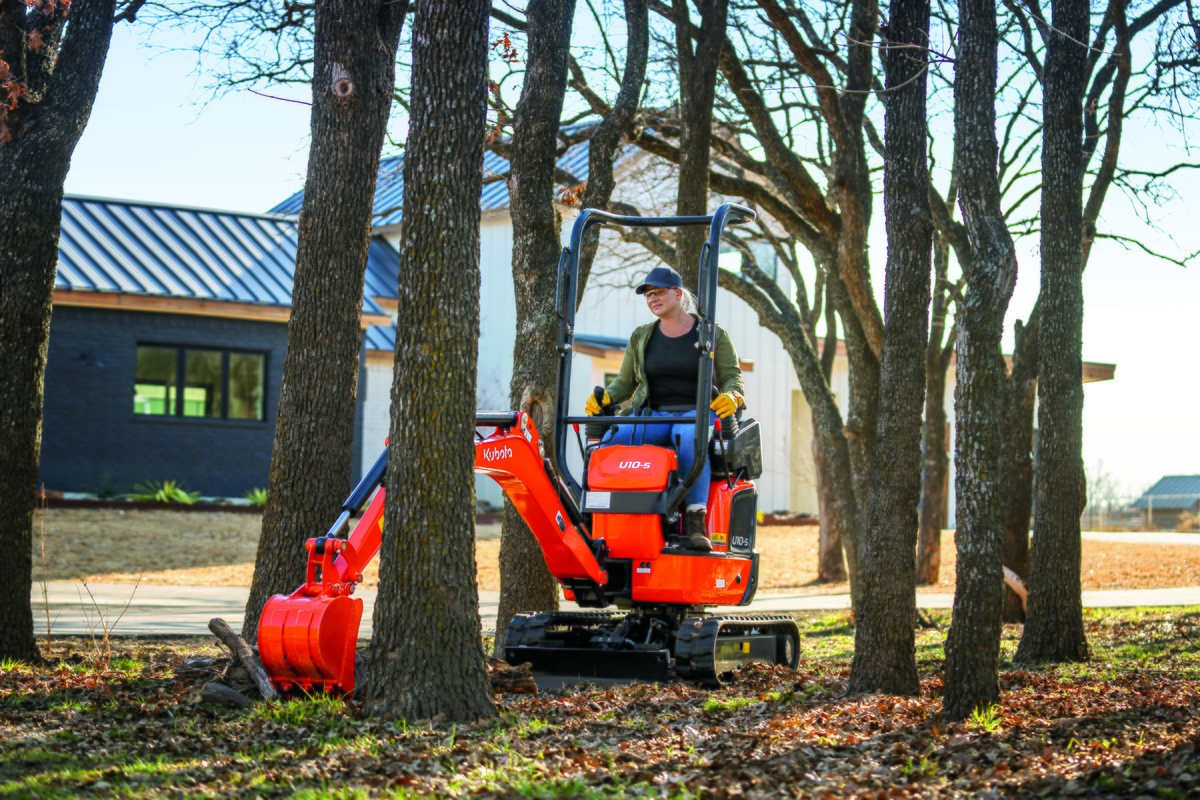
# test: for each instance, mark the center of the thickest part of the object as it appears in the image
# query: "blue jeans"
(664, 435)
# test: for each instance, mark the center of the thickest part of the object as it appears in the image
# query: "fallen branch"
(222, 695)
(242, 652)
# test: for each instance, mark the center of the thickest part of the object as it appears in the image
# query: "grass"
(985, 719)
(718, 705)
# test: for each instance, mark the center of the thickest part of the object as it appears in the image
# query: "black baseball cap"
(661, 278)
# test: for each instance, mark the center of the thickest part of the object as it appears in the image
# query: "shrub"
(256, 496)
(165, 492)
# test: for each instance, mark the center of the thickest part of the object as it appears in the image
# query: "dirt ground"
(218, 549)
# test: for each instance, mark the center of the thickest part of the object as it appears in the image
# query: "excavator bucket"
(308, 639)
(309, 642)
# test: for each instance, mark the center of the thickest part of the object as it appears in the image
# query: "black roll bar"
(567, 298)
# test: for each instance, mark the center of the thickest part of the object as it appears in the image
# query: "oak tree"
(353, 67)
(427, 654)
(52, 53)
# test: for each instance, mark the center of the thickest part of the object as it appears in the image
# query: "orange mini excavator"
(613, 538)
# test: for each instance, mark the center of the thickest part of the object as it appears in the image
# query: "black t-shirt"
(672, 368)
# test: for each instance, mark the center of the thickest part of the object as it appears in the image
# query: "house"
(166, 345)
(169, 328)
(609, 312)
(1168, 499)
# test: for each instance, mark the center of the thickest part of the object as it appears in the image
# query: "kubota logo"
(497, 453)
(636, 465)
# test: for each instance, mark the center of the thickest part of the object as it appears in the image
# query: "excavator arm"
(308, 638)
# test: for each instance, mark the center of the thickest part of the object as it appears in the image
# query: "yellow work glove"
(592, 408)
(727, 404)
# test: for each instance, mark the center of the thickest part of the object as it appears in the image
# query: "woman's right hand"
(592, 407)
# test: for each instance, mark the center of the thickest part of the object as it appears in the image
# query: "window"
(217, 384)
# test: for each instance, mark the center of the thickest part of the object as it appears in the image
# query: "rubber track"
(522, 625)
(696, 642)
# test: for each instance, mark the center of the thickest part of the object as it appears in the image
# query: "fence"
(1160, 512)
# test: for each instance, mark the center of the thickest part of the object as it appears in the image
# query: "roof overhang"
(165, 304)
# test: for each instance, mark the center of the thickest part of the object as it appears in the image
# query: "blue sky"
(158, 133)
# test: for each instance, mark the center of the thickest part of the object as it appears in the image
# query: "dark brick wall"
(90, 434)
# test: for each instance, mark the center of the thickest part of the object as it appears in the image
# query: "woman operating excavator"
(659, 375)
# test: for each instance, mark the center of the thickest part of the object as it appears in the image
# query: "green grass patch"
(718, 705)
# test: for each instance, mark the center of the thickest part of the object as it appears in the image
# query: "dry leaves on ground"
(1125, 725)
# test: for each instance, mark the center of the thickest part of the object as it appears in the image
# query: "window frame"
(181, 351)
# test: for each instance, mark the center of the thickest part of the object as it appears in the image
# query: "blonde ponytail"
(689, 302)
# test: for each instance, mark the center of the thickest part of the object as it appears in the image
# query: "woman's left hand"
(726, 405)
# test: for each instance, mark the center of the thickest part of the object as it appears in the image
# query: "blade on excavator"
(310, 641)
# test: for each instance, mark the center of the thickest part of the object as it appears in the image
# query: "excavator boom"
(307, 639)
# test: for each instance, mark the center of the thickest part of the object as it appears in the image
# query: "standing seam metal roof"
(142, 248)
(389, 187)
(1172, 486)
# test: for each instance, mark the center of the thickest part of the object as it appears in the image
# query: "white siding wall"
(377, 388)
(610, 308)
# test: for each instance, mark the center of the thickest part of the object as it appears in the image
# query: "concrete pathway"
(1137, 537)
(186, 610)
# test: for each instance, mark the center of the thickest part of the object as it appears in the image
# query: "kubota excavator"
(613, 539)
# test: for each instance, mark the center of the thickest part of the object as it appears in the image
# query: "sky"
(158, 133)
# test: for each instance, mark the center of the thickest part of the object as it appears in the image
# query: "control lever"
(594, 430)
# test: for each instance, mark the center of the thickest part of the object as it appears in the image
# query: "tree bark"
(973, 643)
(830, 565)
(354, 52)
(525, 582)
(697, 89)
(935, 463)
(862, 417)
(38, 134)
(1054, 617)
(427, 654)
(884, 645)
(1016, 460)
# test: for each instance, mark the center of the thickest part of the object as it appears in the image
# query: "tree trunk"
(38, 134)
(525, 582)
(935, 463)
(1054, 617)
(427, 655)
(697, 89)
(884, 645)
(973, 643)
(830, 566)
(354, 55)
(1016, 461)
(862, 417)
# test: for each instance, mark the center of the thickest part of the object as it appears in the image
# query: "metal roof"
(384, 338)
(1172, 492)
(389, 187)
(603, 342)
(145, 248)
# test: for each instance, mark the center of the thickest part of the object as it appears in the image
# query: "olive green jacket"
(631, 381)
